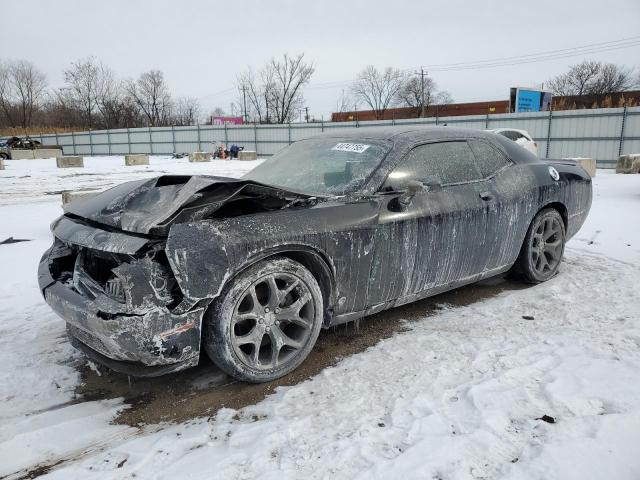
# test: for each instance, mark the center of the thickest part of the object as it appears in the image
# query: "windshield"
(333, 166)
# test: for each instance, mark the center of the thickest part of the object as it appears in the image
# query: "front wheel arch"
(317, 262)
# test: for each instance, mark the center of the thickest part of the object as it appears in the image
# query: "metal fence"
(603, 134)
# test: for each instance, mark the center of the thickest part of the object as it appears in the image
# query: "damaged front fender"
(143, 327)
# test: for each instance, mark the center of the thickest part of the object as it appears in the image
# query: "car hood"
(151, 206)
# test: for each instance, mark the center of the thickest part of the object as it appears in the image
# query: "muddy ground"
(201, 391)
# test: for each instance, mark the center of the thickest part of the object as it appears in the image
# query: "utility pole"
(244, 101)
(306, 114)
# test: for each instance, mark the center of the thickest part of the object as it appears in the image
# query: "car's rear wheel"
(265, 322)
(543, 247)
(4, 156)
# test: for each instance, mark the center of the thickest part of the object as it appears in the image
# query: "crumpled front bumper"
(153, 343)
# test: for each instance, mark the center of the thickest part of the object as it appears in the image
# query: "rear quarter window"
(489, 159)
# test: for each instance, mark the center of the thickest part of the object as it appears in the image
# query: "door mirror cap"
(413, 187)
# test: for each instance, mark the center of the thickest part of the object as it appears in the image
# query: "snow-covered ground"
(37, 180)
(458, 394)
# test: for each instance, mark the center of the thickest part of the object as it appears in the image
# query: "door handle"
(486, 196)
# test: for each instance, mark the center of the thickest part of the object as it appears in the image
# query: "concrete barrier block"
(589, 164)
(137, 159)
(68, 197)
(70, 161)
(247, 155)
(47, 153)
(628, 163)
(200, 157)
(21, 154)
(38, 153)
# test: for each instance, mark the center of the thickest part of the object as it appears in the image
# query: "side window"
(489, 159)
(447, 162)
(456, 162)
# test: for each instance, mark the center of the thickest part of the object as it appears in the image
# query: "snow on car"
(329, 230)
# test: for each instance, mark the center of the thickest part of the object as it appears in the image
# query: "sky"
(202, 45)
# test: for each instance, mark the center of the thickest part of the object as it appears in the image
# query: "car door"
(436, 239)
(503, 203)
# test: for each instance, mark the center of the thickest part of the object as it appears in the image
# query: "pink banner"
(226, 121)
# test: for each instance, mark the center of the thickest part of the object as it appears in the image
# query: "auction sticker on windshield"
(351, 147)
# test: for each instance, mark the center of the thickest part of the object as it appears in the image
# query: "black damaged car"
(329, 230)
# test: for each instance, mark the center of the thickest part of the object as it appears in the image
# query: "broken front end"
(120, 299)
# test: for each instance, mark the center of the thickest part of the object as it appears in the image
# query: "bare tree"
(118, 109)
(187, 111)
(592, 78)
(6, 104)
(93, 92)
(22, 90)
(269, 95)
(443, 98)
(345, 102)
(151, 94)
(418, 92)
(86, 82)
(276, 94)
(252, 94)
(577, 81)
(612, 79)
(378, 89)
(285, 79)
(63, 110)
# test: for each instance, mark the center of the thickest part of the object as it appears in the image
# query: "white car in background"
(521, 137)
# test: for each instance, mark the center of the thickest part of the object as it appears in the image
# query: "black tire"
(265, 322)
(542, 249)
(4, 156)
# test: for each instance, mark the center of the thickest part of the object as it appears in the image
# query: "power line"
(511, 60)
(548, 52)
(538, 57)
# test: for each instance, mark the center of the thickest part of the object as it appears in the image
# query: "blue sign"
(528, 101)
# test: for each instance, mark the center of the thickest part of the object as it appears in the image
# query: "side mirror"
(413, 187)
(432, 183)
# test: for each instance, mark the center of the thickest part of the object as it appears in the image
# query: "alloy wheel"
(547, 245)
(272, 321)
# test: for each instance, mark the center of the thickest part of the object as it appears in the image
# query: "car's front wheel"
(265, 322)
(543, 247)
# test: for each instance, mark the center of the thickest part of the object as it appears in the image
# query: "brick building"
(630, 98)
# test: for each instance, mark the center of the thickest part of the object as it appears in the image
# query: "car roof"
(402, 134)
